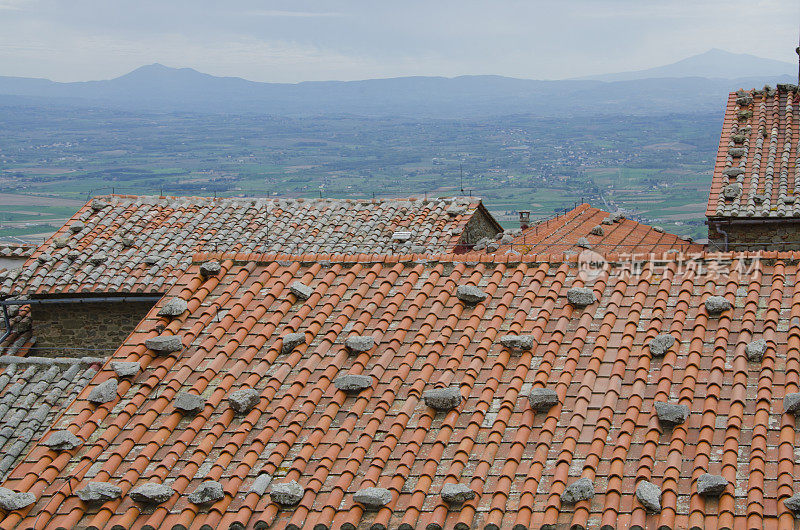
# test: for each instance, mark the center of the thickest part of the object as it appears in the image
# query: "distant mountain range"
(695, 84)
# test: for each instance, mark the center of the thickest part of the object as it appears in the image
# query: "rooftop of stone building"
(140, 244)
(476, 391)
(757, 171)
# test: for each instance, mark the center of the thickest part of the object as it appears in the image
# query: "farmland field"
(657, 169)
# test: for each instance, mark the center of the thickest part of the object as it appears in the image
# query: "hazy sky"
(74, 40)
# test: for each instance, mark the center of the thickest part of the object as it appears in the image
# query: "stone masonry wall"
(478, 227)
(88, 326)
(783, 234)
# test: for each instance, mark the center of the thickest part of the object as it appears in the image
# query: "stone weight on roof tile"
(126, 369)
(61, 241)
(731, 191)
(98, 259)
(373, 498)
(104, 392)
(443, 399)
(99, 492)
(583, 243)
(359, 343)
(210, 268)
(76, 227)
(659, 229)
(542, 399)
(62, 441)
(457, 494)
(493, 246)
(709, 485)
(11, 500)
(244, 400)
(286, 493)
(175, 307)
(353, 383)
(661, 344)
(607, 221)
(151, 259)
(793, 503)
(755, 350)
(301, 290)
(292, 341)
(717, 304)
(98, 205)
(469, 294)
(164, 344)
(481, 244)
(581, 296)
(260, 484)
(597, 230)
(671, 414)
(733, 171)
(580, 490)
(517, 342)
(649, 495)
(791, 403)
(152, 493)
(207, 492)
(189, 403)
(44, 257)
(736, 152)
(128, 241)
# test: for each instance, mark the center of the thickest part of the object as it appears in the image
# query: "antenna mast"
(798, 61)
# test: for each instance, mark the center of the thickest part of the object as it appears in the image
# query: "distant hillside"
(159, 88)
(712, 64)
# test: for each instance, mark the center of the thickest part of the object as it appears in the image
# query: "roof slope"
(616, 234)
(33, 392)
(757, 173)
(140, 244)
(518, 462)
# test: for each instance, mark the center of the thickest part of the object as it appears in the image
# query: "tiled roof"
(131, 244)
(16, 250)
(602, 231)
(596, 360)
(33, 392)
(757, 173)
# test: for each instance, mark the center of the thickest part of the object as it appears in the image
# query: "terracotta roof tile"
(141, 244)
(756, 172)
(620, 236)
(517, 461)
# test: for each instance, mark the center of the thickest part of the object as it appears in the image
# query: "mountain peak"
(713, 64)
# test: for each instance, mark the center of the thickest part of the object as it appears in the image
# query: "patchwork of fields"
(657, 169)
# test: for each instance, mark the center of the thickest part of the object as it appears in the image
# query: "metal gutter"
(78, 300)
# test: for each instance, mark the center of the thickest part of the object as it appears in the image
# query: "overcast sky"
(75, 40)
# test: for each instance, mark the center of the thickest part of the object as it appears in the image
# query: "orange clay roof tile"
(620, 236)
(516, 460)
